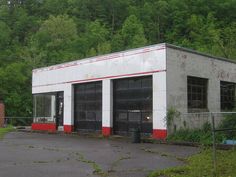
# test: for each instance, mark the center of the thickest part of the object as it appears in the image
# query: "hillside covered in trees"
(36, 33)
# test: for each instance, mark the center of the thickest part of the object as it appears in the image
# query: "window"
(44, 107)
(197, 94)
(227, 96)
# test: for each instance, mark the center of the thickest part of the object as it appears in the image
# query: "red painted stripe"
(122, 75)
(68, 128)
(51, 127)
(98, 59)
(159, 134)
(106, 131)
(2, 113)
(101, 78)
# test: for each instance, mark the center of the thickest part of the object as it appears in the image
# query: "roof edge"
(167, 45)
(199, 53)
(103, 55)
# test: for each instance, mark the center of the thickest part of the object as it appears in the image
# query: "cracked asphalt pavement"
(24, 154)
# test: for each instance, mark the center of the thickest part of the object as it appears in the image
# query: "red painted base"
(106, 131)
(2, 113)
(68, 128)
(51, 127)
(159, 134)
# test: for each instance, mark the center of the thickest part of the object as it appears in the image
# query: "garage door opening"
(133, 105)
(88, 106)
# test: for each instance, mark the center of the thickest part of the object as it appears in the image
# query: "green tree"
(54, 7)
(16, 89)
(5, 35)
(154, 16)
(132, 33)
(57, 32)
(227, 41)
(201, 33)
(96, 39)
(55, 38)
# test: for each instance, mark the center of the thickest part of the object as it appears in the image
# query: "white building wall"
(159, 101)
(107, 105)
(68, 105)
(141, 61)
(149, 60)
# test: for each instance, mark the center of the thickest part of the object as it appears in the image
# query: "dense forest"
(36, 33)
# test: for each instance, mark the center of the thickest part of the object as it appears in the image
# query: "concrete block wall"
(182, 63)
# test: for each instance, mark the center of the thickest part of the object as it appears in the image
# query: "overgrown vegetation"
(172, 113)
(24, 121)
(204, 135)
(5, 130)
(201, 165)
(35, 33)
(229, 122)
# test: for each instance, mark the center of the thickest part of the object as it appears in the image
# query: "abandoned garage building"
(117, 92)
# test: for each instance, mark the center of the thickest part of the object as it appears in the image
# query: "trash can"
(136, 137)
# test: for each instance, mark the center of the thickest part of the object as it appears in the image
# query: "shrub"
(229, 122)
(202, 136)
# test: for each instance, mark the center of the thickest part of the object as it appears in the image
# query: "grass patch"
(202, 135)
(5, 130)
(200, 165)
(194, 136)
(97, 169)
(163, 154)
(116, 162)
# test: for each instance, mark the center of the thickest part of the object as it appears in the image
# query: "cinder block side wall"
(181, 64)
(2, 114)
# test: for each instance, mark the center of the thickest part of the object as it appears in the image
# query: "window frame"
(197, 94)
(45, 118)
(231, 99)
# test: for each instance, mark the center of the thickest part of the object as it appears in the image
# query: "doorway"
(88, 106)
(133, 105)
(59, 109)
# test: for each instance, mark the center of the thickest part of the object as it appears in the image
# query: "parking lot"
(25, 154)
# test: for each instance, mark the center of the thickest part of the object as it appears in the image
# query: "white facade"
(168, 65)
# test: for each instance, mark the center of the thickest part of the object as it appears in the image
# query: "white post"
(68, 118)
(107, 107)
(159, 105)
(53, 108)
